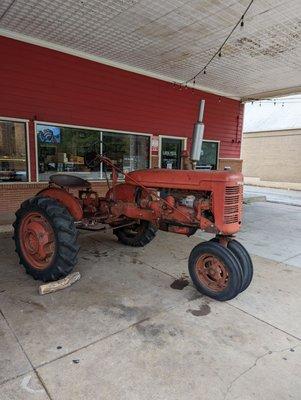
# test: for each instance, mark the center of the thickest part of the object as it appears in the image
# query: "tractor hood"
(182, 179)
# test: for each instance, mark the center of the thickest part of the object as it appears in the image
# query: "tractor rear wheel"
(136, 235)
(215, 271)
(244, 260)
(45, 237)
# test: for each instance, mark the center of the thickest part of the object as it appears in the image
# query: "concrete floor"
(121, 332)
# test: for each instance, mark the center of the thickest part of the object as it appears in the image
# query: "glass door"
(171, 153)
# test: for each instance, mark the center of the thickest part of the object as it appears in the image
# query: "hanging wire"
(7, 9)
(219, 51)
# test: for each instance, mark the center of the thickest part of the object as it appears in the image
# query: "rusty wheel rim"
(212, 272)
(37, 240)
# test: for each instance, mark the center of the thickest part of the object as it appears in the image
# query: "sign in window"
(171, 153)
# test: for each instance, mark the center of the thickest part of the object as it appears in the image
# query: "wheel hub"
(37, 240)
(212, 272)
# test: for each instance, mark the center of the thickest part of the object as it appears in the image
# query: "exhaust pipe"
(198, 134)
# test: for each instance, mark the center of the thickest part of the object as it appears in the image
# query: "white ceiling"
(174, 38)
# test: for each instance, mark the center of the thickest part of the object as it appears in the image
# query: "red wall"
(41, 84)
(38, 83)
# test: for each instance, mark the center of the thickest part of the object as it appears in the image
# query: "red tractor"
(178, 201)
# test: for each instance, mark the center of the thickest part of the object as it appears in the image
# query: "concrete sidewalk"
(121, 332)
(281, 196)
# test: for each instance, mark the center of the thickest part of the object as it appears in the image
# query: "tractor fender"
(67, 199)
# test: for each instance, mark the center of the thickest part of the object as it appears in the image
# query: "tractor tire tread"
(66, 235)
(141, 239)
(245, 260)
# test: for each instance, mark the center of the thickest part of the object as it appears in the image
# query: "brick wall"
(234, 164)
(273, 156)
(12, 195)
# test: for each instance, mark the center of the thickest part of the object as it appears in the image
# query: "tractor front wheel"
(243, 258)
(45, 237)
(215, 271)
(136, 235)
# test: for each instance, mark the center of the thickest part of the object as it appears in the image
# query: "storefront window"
(62, 150)
(128, 152)
(13, 157)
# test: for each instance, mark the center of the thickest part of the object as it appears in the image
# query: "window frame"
(27, 146)
(101, 130)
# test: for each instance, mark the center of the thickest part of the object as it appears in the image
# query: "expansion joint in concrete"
(265, 322)
(27, 357)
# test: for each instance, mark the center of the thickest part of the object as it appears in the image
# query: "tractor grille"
(233, 204)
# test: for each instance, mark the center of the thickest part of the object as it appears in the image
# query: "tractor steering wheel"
(91, 159)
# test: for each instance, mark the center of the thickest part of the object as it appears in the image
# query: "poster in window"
(49, 134)
(155, 144)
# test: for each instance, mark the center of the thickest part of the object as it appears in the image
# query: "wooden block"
(60, 284)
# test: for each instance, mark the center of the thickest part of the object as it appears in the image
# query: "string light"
(282, 102)
(275, 101)
(219, 51)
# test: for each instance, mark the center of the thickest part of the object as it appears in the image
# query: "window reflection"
(13, 157)
(62, 150)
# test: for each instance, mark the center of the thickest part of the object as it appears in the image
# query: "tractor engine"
(181, 201)
(191, 202)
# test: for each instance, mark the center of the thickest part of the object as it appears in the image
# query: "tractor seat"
(69, 181)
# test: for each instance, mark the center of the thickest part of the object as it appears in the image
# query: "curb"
(254, 199)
